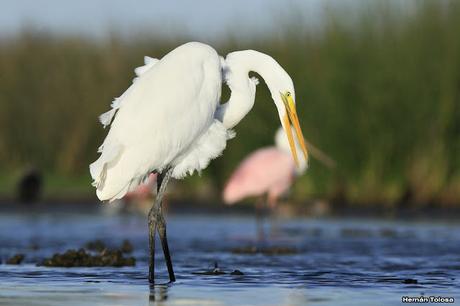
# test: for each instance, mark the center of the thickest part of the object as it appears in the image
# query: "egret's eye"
(288, 94)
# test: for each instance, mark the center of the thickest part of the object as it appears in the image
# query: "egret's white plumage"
(171, 117)
(107, 117)
(149, 62)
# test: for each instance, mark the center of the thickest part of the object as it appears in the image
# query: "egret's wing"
(149, 62)
(162, 115)
(106, 118)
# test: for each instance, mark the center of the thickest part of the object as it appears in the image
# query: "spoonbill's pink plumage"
(268, 171)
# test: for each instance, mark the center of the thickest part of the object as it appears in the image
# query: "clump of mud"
(95, 254)
(82, 258)
(272, 250)
(15, 260)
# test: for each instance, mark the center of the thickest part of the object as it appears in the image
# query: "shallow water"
(337, 262)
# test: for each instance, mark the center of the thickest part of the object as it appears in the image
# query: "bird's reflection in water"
(158, 294)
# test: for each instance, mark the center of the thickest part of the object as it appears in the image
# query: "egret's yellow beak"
(291, 119)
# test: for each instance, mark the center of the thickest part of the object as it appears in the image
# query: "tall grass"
(382, 96)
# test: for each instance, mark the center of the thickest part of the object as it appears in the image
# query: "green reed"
(380, 95)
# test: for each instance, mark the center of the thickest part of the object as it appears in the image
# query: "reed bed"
(380, 95)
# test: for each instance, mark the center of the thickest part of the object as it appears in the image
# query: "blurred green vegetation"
(380, 95)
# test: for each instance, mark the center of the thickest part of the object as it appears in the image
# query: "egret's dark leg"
(152, 230)
(162, 227)
(164, 243)
(156, 221)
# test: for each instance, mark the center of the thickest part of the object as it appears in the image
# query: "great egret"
(269, 172)
(170, 121)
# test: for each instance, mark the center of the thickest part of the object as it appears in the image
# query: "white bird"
(170, 121)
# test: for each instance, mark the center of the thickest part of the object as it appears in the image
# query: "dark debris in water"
(274, 250)
(95, 254)
(82, 258)
(410, 281)
(218, 271)
(15, 260)
(215, 271)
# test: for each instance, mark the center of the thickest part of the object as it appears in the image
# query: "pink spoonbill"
(269, 172)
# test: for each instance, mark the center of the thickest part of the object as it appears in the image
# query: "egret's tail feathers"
(209, 146)
(103, 195)
(110, 177)
(98, 169)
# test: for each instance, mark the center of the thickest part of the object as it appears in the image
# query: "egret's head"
(281, 88)
(283, 94)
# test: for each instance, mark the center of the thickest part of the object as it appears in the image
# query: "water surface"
(336, 262)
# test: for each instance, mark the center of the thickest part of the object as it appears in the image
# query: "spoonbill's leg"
(156, 220)
(259, 207)
(274, 220)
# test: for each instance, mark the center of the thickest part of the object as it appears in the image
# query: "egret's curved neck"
(236, 68)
